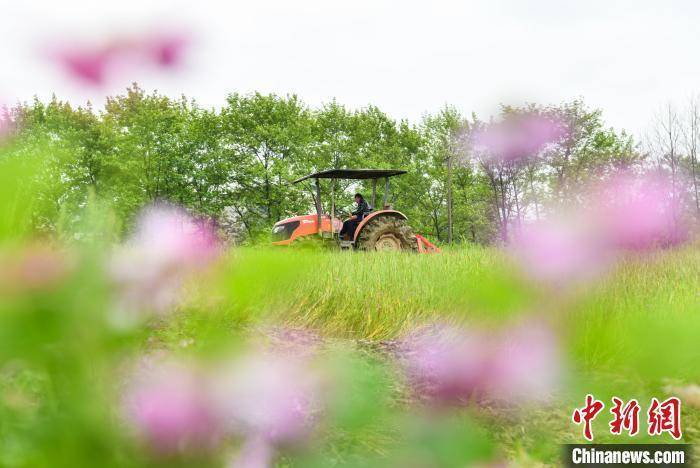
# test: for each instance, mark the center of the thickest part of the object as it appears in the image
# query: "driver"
(358, 214)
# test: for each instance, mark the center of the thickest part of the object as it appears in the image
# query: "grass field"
(633, 333)
(66, 363)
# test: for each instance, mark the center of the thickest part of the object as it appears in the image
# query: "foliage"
(235, 164)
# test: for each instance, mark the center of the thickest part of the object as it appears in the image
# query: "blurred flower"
(269, 397)
(624, 213)
(266, 400)
(255, 453)
(639, 213)
(89, 66)
(33, 268)
(517, 137)
(170, 407)
(525, 365)
(444, 363)
(167, 245)
(168, 235)
(454, 366)
(97, 64)
(561, 250)
(167, 50)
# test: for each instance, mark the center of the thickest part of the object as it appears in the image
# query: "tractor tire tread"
(380, 225)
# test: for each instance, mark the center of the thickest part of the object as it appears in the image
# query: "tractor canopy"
(352, 174)
(379, 229)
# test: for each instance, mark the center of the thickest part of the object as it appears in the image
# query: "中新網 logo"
(661, 416)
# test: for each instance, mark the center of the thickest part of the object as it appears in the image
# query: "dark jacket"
(362, 209)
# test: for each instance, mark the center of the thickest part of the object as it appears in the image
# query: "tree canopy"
(235, 164)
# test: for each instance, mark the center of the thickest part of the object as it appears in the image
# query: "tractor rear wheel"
(387, 233)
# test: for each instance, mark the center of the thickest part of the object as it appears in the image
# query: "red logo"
(665, 417)
(624, 417)
(587, 414)
(662, 416)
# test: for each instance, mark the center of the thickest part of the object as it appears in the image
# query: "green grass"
(629, 334)
(373, 296)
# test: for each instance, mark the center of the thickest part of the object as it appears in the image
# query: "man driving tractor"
(360, 212)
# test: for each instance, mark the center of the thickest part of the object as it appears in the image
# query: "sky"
(627, 57)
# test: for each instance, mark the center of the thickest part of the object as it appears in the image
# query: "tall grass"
(372, 296)
(629, 334)
(644, 315)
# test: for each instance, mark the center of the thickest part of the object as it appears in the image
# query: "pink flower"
(171, 236)
(449, 365)
(167, 49)
(624, 213)
(171, 409)
(516, 137)
(525, 364)
(444, 363)
(562, 250)
(96, 65)
(256, 452)
(166, 246)
(639, 213)
(89, 66)
(269, 397)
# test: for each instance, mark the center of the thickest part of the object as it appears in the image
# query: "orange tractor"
(385, 229)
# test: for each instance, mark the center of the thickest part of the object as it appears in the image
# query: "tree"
(444, 133)
(235, 165)
(691, 139)
(665, 144)
(266, 139)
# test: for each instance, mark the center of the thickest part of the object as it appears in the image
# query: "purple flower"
(269, 397)
(166, 246)
(256, 452)
(88, 66)
(170, 408)
(167, 49)
(171, 236)
(639, 213)
(561, 250)
(96, 65)
(444, 363)
(516, 137)
(624, 213)
(449, 365)
(524, 365)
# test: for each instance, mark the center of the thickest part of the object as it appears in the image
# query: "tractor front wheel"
(387, 233)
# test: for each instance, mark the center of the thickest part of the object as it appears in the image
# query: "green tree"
(265, 138)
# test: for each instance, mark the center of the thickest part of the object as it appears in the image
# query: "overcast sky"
(407, 57)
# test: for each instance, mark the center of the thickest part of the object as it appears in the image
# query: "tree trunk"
(504, 214)
(449, 198)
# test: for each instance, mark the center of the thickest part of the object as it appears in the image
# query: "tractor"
(380, 230)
